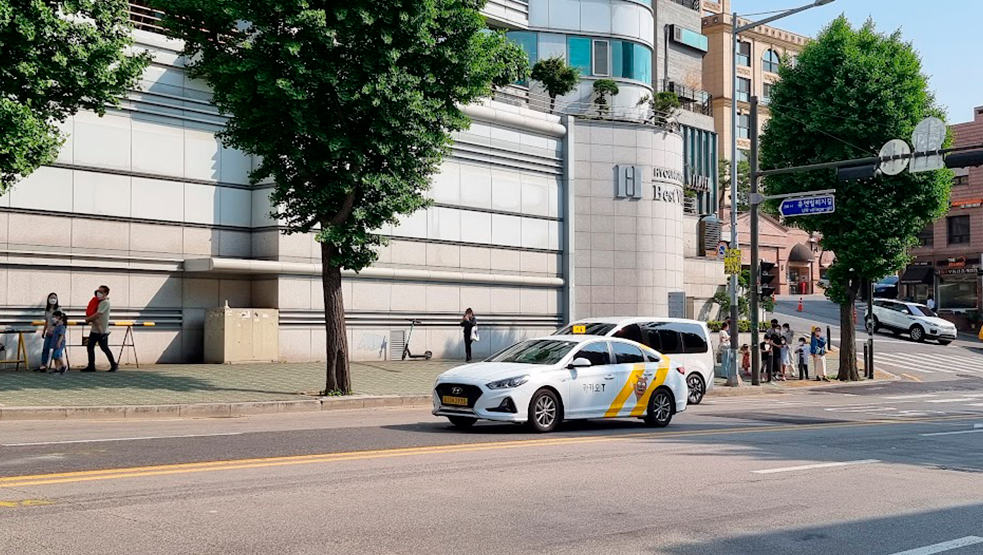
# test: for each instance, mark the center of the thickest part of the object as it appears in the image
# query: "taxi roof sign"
(579, 329)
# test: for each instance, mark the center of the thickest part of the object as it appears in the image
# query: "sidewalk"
(209, 390)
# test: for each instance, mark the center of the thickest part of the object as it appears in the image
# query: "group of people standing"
(782, 354)
(53, 356)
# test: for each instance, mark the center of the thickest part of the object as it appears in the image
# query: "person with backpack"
(818, 350)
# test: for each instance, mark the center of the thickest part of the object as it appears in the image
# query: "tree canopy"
(349, 108)
(851, 91)
(58, 57)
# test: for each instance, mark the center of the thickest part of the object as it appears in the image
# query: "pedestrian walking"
(46, 331)
(818, 350)
(470, 325)
(802, 357)
(59, 361)
(723, 347)
(97, 316)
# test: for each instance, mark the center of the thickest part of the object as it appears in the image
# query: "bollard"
(800, 305)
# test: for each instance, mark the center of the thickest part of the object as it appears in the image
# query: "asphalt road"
(734, 475)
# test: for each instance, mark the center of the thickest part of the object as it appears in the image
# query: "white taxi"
(544, 381)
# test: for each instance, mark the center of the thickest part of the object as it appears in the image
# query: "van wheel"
(697, 389)
(917, 334)
(545, 412)
(660, 409)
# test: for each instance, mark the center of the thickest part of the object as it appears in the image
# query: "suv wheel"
(697, 389)
(917, 333)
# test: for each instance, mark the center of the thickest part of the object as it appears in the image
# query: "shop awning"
(915, 275)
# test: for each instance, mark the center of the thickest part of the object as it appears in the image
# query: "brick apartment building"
(948, 262)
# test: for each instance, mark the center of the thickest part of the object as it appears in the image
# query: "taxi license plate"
(451, 400)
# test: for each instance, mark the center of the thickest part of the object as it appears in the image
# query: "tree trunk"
(338, 376)
(848, 339)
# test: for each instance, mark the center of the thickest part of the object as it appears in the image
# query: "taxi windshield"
(537, 351)
(586, 328)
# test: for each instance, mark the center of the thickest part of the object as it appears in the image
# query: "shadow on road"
(891, 534)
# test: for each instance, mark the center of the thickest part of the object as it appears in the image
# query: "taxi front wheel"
(545, 412)
(660, 409)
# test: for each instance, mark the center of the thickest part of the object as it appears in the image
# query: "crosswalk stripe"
(962, 363)
(920, 365)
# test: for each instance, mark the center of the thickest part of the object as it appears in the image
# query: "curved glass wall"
(595, 56)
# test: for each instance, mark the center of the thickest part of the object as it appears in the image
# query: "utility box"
(242, 335)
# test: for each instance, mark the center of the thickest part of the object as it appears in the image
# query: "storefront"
(958, 284)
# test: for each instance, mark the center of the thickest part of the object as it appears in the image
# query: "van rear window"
(586, 328)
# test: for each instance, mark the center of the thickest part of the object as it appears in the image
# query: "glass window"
(770, 61)
(596, 353)
(927, 236)
(693, 338)
(528, 41)
(590, 328)
(957, 292)
(958, 229)
(662, 338)
(960, 180)
(744, 54)
(631, 61)
(743, 126)
(627, 354)
(537, 351)
(600, 58)
(631, 331)
(918, 310)
(766, 94)
(578, 52)
(743, 89)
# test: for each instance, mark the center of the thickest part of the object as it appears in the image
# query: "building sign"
(666, 175)
(732, 262)
(697, 182)
(668, 185)
(629, 181)
(968, 203)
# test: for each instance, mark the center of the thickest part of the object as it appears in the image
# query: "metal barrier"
(127, 343)
(21, 348)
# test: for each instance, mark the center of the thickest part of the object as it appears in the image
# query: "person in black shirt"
(469, 322)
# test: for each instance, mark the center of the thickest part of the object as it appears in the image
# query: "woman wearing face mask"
(48, 329)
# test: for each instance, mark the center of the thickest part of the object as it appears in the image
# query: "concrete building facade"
(530, 225)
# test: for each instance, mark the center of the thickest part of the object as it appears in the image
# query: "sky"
(948, 34)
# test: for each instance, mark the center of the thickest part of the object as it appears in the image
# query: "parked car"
(544, 381)
(918, 320)
(684, 341)
(886, 288)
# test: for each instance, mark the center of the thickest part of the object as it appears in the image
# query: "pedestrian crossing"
(929, 363)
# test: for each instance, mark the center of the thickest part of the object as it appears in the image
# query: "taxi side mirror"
(579, 362)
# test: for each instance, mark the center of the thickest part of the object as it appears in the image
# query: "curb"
(746, 389)
(211, 410)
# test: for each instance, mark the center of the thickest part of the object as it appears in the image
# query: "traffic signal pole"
(755, 278)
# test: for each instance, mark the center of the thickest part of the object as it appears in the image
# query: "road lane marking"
(141, 438)
(813, 466)
(238, 464)
(18, 503)
(944, 546)
(918, 396)
(958, 400)
(960, 432)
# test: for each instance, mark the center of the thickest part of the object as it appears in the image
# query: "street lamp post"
(734, 279)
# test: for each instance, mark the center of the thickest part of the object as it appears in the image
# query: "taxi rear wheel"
(545, 411)
(696, 388)
(462, 421)
(660, 409)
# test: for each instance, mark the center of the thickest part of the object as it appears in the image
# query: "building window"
(766, 94)
(770, 61)
(601, 68)
(744, 54)
(578, 52)
(743, 89)
(960, 180)
(958, 227)
(743, 126)
(529, 42)
(631, 61)
(927, 236)
(792, 60)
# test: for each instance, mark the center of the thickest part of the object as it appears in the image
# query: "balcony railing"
(144, 17)
(691, 4)
(692, 100)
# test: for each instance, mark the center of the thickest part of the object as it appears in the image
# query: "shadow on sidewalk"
(148, 380)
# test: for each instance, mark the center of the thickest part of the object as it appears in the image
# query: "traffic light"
(853, 173)
(964, 159)
(766, 274)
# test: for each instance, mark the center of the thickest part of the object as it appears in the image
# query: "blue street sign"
(807, 206)
(721, 250)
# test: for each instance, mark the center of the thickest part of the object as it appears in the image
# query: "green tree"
(604, 88)
(851, 91)
(662, 106)
(508, 63)
(349, 108)
(556, 77)
(57, 58)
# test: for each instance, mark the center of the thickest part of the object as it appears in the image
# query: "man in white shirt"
(930, 303)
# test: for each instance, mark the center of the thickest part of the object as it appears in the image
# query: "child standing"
(58, 340)
(746, 359)
(818, 349)
(803, 359)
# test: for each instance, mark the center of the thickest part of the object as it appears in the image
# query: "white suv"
(684, 341)
(912, 318)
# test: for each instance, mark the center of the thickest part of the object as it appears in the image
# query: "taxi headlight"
(508, 382)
